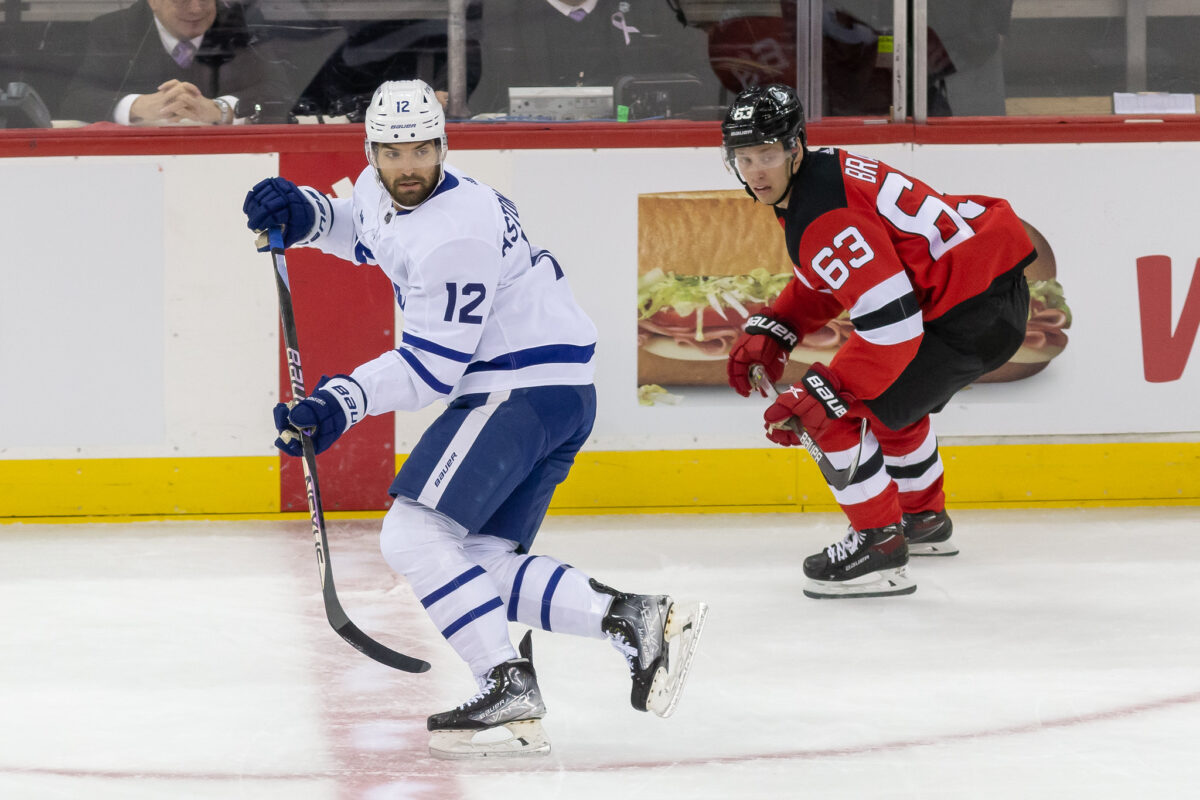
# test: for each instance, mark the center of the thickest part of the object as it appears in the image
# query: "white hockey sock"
(461, 598)
(540, 591)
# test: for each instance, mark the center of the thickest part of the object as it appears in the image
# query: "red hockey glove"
(814, 401)
(765, 341)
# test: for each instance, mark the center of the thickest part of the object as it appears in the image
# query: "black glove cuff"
(819, 387)
(761, 324)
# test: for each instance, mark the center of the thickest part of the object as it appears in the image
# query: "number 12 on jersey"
(472, 293)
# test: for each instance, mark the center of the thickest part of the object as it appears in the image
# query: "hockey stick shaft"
(837, 478)
(333, 607)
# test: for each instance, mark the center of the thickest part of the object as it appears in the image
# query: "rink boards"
(143, 363)
(980, 476)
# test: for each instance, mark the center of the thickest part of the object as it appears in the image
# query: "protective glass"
(742, 159)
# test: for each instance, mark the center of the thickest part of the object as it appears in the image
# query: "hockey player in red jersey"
(935, 290)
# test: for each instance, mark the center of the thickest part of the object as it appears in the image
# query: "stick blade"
(377, 652)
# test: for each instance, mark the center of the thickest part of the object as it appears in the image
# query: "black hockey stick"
(333, 608)
(837, 478)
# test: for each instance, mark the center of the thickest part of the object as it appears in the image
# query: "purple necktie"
(578, 14)
(183, 53)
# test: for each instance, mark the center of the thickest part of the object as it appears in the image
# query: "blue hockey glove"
(278, 201)
(323, 416)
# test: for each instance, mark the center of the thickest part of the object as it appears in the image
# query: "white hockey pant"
(472, 586)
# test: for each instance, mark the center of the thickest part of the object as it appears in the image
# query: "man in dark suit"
(582, 43)
(167, 61)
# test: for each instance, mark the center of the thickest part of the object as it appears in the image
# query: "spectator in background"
(368, 52)
(856, 56)
(167, 61)
(973, 32)
(965, 69)
(857, 68)
(582, 43)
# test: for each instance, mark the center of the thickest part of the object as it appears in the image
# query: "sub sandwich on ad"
(709, 260)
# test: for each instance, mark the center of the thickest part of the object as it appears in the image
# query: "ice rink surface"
(1058, 656)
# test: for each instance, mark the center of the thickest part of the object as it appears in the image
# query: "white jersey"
(484, 310)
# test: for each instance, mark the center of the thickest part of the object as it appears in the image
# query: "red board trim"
(106, 139)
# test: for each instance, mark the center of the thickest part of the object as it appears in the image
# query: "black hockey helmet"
(764, 114)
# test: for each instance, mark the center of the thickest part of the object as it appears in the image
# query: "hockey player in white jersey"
(491, 329)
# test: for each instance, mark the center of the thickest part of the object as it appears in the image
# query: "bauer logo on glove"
(816, 401)
(766, 341)
(761, 323)
(335, 405)
(819, 386)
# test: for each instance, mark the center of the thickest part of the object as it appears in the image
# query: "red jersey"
(868, 239)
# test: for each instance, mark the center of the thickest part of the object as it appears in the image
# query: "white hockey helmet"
(404, 111)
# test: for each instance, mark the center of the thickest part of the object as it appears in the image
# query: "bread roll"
(722, 232)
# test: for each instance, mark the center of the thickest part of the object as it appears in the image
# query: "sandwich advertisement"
(669, 256)
(698, 285)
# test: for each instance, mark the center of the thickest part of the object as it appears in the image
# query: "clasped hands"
(175, 101)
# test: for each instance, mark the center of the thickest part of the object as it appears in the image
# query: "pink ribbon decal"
(618, 21)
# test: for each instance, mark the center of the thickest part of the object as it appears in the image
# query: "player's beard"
(412, 196)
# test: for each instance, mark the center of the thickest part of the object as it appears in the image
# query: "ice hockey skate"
(503, 720)
(658, 638)
(867, 563)
(928, 534)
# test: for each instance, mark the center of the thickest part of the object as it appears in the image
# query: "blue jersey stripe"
(471, 616)
(468, 576)
(545, 354)
(546, 254)
(423, 373)
(548, 595)
(435, 348)
(516, 590)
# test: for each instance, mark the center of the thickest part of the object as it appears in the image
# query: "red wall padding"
(345, 315)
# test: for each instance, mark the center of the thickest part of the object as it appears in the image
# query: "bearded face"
(408, 171)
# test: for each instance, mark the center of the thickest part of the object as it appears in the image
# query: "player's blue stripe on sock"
(516, 590)
(470, 616)
(548, 595)
(470, 575)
